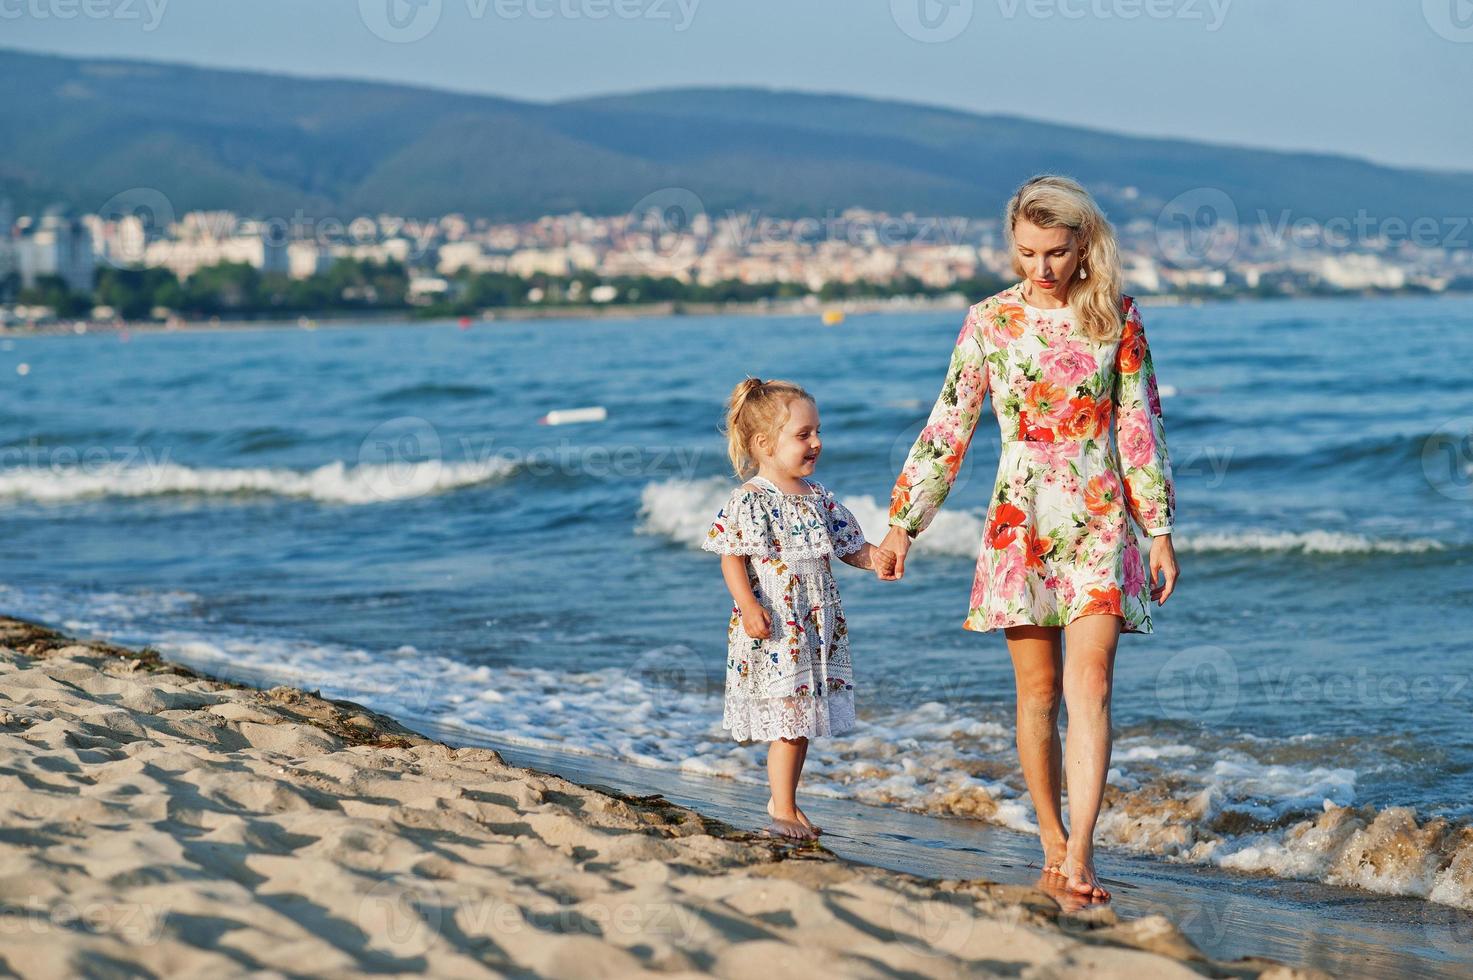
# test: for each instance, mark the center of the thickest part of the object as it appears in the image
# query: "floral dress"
(798, 682)
(1060, 538)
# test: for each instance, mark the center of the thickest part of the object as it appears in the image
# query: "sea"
(382, 512)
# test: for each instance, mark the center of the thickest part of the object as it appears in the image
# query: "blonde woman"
(1064, 356)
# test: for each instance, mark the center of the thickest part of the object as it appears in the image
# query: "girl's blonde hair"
(1052, 201)
(756, 407)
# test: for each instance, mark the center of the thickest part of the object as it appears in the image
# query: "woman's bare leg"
(1089, 671)
(784, 765)
(1037, 672)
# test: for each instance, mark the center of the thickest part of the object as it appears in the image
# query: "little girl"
(788, 673)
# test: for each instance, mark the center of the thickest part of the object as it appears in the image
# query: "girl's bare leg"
(802, 817)
(784, 765)
(1037, 672)
(1088, 679)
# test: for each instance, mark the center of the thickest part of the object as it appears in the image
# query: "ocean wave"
(1305, 542)
(336, 482)
(682, 510)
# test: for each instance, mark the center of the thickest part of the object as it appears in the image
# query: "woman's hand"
(897, 542)
(756, 623)
(1163, 562)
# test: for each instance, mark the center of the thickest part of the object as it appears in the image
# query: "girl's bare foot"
(1082, 878)
(802, 817)
(788, 828)
(1054, 853)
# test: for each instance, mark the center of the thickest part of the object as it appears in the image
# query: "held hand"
(884, 562)
(897, 543)
(1163, 562)
(756, 623)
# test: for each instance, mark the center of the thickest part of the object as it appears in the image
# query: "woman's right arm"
(933, 462)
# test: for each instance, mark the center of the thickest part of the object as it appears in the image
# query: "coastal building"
(57, 245)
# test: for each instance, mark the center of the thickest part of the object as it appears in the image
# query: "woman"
(1065, 357)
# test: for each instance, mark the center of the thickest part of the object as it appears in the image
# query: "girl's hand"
(1163, 562)
(756, 623)
(884, 563)
(897, 543)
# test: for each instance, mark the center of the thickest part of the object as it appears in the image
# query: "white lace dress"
(800, 681)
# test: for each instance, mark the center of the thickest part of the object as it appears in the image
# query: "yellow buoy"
(832, 318)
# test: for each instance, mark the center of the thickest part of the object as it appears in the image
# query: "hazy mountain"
(80, 131)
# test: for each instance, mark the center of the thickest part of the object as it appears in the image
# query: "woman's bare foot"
(1080, 870)
(1054, 853)
(802, 817)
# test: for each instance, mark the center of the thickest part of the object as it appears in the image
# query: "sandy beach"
(158, 822)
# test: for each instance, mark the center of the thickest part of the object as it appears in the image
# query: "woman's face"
(1048, 256)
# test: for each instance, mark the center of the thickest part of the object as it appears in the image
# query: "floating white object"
(1166, 391)
(563, 416)
(22, 369)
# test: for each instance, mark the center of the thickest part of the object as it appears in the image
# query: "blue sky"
(1379, 79)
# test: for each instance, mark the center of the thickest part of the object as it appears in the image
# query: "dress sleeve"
(931, 467)
(1140, 431)
(844, 530)
(741, 526)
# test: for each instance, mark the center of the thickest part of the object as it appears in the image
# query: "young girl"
(788, 673)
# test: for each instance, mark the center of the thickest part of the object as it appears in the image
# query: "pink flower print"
(1055, 331)
(1011, 573)
(1067, 364)
(979, 588)
(1153, 397)
(969, 384)
(1135, 574)
(1137, 444)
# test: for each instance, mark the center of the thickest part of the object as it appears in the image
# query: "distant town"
(137, 263)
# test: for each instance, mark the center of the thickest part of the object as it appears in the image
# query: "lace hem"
(765, 719)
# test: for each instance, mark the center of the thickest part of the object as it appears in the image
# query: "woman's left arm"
(1140, 431)
(1140, 436)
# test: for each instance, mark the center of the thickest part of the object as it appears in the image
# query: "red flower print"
(1033, 433)
(1103, 601)
(1006, 520)
(1083, 419)
(1036, 548)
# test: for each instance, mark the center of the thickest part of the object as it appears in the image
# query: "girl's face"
(1048, 256)
(795, 453)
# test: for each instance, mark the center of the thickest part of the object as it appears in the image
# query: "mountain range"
(80, 131)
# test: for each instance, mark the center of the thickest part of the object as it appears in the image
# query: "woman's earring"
(1082, 273)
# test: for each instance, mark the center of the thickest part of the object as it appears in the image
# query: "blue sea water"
(376, 511)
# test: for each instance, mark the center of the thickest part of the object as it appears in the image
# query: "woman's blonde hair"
(1052, 201)
(756, 407)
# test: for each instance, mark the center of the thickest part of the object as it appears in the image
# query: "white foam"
(335, 482)
(682, 510)
(1307, 542)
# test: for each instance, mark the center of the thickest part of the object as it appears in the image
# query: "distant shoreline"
(630, 311)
